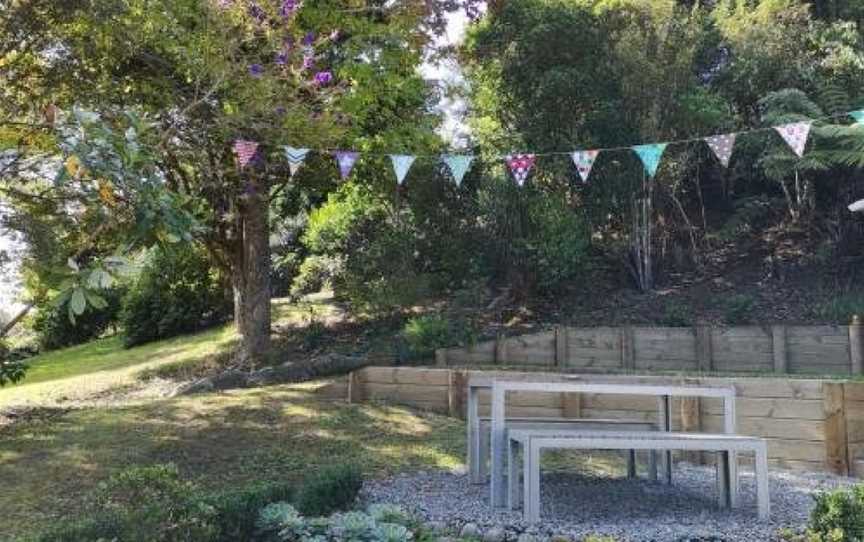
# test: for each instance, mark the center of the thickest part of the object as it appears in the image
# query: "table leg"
(722, 469)
(631, 464)
(730, 423)
(532, 483)
(652, 465)
(666, 425)
(483, 453)
(762, 498)
(512, 474)
(475, 460)
(499, 437)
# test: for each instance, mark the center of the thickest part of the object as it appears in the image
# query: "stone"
(262, 377)
(526, 537)
(202, 385)
(494, 534)
(470, 530)
(436, 527)
(230, 379)
(560, 538)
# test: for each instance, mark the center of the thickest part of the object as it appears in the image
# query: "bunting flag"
(650, 156)
(459, 165)
(401, 165)
(795, 135)
(722, 146)
(858, 116)
(245, 151)
(346, 161)
(584, 161)
(295, 158)
(520, 166)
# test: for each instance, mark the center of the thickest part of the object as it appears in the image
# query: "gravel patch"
(576, 505)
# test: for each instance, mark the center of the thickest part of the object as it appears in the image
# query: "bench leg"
(733, 479)
(531, 491)
(512, 475)
(483, 454)
(722, 469)
(762, 499)
(652, 465)
(631, 464)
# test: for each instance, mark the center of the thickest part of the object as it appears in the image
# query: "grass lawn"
(48, 469)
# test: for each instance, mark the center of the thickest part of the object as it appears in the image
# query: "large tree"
(207, 73)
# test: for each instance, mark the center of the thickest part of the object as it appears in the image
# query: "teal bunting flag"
(459, 165)
(401, 165)
(650, 156)
(858, 116)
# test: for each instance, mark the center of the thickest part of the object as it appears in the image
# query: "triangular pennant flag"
(346, 161)
(858, 116)
(584, 161)
(520, 166)
(459, 165)
(295, 157)
(650, 156)
(795, 135)
(722, 146)
(245, 151)
(401, 165)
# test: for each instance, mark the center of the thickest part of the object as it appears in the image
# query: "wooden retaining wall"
(781, 349)
(813, 425)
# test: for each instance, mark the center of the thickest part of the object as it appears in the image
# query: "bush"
(838, 516)
(425, 334)
(332, 489)
(236, 511)
(737, 309)
(381, 523)
(314, 274)
(11, 370)
(55, 330)
(177, 292)
(840, 309)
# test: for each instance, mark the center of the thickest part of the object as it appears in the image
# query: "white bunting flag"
(795, 135)
(722, 146)
(401, 165)
(584, 161)
(295, 158)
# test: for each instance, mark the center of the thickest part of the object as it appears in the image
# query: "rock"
(262, 377)
(494, 534)
(470, 530)
(201, 385)
(436, 527)
(525, 537)
(560, 538)
(230, 379)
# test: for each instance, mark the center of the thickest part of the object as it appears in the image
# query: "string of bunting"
(795, 134)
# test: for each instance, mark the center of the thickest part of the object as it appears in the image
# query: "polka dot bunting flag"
(520, 166)
(795, 135)
(722, 146)
(245, 151)
(584, 161)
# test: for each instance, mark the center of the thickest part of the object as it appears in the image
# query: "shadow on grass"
(218, 440)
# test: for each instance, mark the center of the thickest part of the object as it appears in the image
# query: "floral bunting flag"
(858, 116)
(722, 146)
(401, 165)
(584, 161)
(795, 135)
(245, 151)
(295, 158)
(650, 156)
(346, 161)
(520, 166)
(459, 165)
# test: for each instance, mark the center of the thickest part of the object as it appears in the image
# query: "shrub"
(425, 334)
(236, 511)
(55, 330)
(840, 309)
(838, 516)
(314, 274)
(676, 314)
(281, 522)
(332, 489)
(11, 370)
(737, 309)
(177, 292)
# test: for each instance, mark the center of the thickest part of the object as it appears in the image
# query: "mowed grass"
(48, 469)
(81, 371)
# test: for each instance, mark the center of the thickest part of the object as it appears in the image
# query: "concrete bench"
(534, 441)
(479, 467)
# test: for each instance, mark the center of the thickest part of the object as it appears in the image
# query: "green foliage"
(176, 292)
(677, 314)
(55, 329)
(838, 516)
(737, 309)
(314, 274)
(425, 334)
(237, 510)
(381, 523)
(331, 489)
(841, 308)
(11, 371)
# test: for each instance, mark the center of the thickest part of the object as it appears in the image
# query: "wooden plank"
(742, 333)
(571, 405)
(751, 407)
(560, 346)
(628, 348)
(355, 387)
(405, 375)
(856, 346)
(525, 411)
(809, 430)
(501, 349)
(836, 448)
(457, 394)
(522, 398)
(409, 393)
(691, 422)
(770, 387)
(536, 349)
(703, 348)
(781, 356)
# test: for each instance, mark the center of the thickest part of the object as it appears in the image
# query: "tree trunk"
(251, 274)
(10, 325)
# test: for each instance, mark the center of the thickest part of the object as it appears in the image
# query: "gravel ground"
(577, 505)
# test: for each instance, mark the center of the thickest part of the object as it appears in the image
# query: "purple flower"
(308, 62)
(282, 59)
(288, 8)
(323, 78)
(256, 70)
(280, 110)
(309, 38)
(288, 43)
(256, 12)
(225, 4)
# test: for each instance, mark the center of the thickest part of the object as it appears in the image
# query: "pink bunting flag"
(795, 134)
(245, 151)
(346, 161)
(722, 146)
(584, 161)
(520, 166)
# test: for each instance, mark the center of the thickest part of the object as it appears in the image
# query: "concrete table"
(664, 393)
